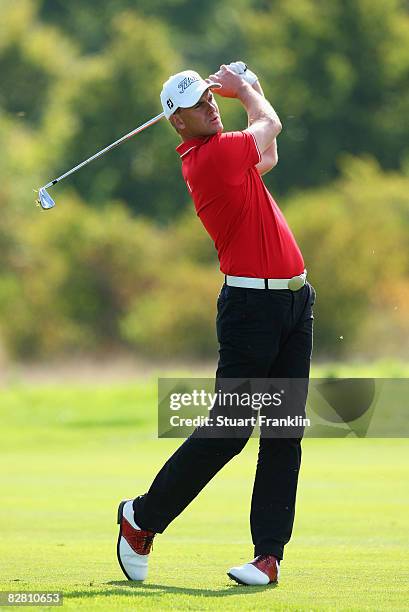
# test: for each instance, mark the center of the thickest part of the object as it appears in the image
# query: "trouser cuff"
(140, 519)
(275, 549)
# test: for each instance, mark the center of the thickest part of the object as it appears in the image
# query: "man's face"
(202, 119)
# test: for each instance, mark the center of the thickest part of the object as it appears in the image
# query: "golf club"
(45, 200)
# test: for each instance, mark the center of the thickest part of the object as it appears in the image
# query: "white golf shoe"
(264, 569)
(134, 544)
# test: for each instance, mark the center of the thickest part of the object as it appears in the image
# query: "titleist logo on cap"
(184, 83)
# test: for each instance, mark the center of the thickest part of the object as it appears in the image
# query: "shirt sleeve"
(235, 153)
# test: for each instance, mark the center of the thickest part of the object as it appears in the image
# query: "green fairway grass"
(69, 454)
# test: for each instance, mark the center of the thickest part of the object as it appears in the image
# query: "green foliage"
(80, 279)
(189, 21)
(92, 274)
(338, 73)
(32, 58)
(36, 63)
(117, 91)
(354, 237)
(177, 317)
(74, 274)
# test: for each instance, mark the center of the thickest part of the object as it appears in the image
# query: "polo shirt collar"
(187, 145)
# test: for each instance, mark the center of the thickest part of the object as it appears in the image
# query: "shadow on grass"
(132, 589)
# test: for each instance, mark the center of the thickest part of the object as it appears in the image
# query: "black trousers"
(262, 334)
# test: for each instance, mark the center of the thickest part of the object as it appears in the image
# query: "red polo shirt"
(249, 231)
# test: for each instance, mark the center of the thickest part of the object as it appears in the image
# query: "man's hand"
(240, 68)
(231, 82)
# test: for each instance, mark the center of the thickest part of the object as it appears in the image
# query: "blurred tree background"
(122, 263)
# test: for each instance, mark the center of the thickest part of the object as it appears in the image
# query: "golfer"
(264, 315)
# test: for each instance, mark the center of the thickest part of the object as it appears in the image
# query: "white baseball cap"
(183, 90)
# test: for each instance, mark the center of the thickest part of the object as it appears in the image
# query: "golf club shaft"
(108, 148)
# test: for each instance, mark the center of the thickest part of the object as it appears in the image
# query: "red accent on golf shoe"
(139, 540)
(267, 564)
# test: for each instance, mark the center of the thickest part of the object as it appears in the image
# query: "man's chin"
(218, 127)
(212, 130)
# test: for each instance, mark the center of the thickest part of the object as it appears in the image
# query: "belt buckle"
(296, 282)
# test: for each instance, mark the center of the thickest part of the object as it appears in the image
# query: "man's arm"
(269, 158)
(263, 121)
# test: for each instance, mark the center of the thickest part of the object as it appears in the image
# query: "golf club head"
(45, 200)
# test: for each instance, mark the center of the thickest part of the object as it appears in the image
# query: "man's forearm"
(257, 107)
(270, 156)
(257, 87)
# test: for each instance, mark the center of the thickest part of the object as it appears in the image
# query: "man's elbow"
(272, 154)
(268, 163)
(273, 161)
(275, 126)
(278, 126)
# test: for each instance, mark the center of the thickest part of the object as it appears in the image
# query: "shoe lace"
(268, 558)
(147, 541)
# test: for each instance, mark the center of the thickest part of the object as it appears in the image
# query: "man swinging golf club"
(264, 320)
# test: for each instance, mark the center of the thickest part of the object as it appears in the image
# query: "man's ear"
(177, 122)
